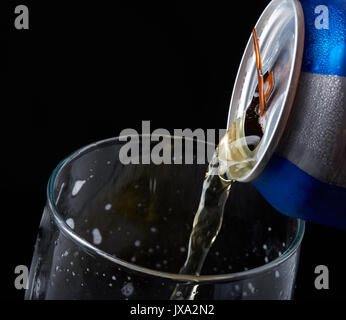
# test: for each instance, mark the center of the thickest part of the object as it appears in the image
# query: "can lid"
(279, 36)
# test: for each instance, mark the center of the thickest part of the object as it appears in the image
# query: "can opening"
(252, 126)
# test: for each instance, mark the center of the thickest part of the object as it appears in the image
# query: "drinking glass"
(112, 230)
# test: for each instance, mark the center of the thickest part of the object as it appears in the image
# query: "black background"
(86, 70)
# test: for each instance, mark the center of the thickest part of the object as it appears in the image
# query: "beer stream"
(232, 159)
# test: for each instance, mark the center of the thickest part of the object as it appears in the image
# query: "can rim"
(275, 135)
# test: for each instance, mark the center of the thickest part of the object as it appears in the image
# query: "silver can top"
(271, 74)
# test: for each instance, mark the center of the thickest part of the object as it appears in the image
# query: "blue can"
(306, 175)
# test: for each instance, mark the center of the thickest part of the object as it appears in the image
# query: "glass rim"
(198, 279)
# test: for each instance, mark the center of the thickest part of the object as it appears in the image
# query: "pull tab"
(269, 82)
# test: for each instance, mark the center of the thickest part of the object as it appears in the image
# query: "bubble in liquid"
(114, 278)
(137, 243)
(108, 206)
(251, 287)
(37, 287)
(265, 247)
(77, 186)
(97, 238)
(182, 249)
(269, 229)
(127, 289)
(108, 162)
(277, 274)
(110, 284)
(65, 254)
(133, 259)
(70, 223)
(266, 259)
(153, 229)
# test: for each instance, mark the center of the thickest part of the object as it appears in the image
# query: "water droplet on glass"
(97, 238)
(137, 243)
(70, 223)
(127, 289)
(77, 186)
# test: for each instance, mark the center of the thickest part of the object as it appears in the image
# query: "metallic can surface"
(306, 176)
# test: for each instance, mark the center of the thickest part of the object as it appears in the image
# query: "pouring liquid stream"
(234, 157)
